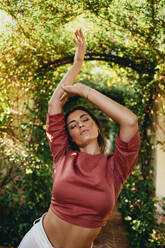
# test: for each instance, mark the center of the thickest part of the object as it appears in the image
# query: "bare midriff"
(62, 234)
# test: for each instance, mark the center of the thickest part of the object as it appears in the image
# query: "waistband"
(39, 219)
(39, 222)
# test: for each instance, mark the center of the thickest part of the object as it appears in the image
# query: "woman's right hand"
(80, 47)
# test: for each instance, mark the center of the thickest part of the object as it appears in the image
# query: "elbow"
(50, 104)
(133, 121)
(54, 108)
(50, 107)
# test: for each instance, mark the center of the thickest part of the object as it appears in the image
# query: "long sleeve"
(124, 159)
(57, 136)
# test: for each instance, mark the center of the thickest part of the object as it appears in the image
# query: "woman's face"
(82, 128)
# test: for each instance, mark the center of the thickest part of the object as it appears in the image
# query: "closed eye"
(85, 119)
(72, 126)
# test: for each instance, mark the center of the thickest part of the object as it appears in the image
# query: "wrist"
(86, 90)
(78, 63)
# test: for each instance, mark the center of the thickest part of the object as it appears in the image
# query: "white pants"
(36, 237)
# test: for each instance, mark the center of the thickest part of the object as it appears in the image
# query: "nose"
(81, 124)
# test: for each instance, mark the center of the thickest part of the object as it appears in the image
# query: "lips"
(84, 132)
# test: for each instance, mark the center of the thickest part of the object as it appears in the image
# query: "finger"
(65, 95)
(63, 101)
(76, 33)
(82, 36)
(63, 87)
(77, 37)
(80, 32)
(75, 42)
(66, 88)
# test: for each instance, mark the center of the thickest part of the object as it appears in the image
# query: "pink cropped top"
(86, 187)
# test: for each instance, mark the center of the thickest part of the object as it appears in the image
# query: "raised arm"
(123, 116)
(55, 105)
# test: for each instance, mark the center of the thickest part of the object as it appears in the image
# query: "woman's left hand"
(72, 90)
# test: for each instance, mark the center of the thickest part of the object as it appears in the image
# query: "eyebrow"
(75, 120)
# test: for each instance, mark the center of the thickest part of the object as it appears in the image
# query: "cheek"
(91, 124)
(93, 128)
(73, 134)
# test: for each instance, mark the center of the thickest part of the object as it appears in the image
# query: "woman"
(86, 182)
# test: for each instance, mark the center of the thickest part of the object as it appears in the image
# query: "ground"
(113, 234)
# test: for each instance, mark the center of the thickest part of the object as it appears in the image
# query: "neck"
(92, 148)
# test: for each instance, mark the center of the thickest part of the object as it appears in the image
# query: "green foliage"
(137, 209)
(25, 194)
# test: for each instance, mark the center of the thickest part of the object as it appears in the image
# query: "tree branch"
(143, 67)
(152, 11)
